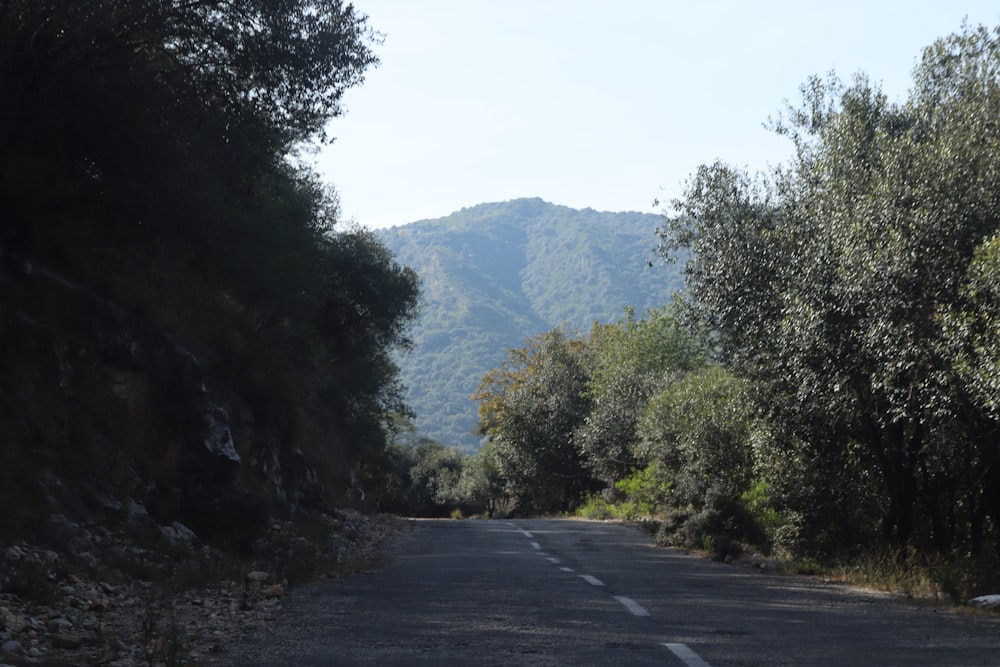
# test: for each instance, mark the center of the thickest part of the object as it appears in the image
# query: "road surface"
(565, 592)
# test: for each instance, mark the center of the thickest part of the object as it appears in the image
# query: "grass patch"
(806, 567)
(912, 574)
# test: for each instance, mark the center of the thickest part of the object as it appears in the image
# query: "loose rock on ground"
(56, 610)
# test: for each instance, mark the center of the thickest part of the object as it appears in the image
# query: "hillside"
(495, 274)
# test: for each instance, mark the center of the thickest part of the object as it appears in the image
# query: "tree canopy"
(830, 280)
(530, 407)
(153, 150)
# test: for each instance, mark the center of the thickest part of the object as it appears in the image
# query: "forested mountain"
(495, 274)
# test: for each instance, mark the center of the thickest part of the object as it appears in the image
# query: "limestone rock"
(986, 602)
(13, 623)
(178, 533)
(218, 437)
(258, 577)
(60, 624)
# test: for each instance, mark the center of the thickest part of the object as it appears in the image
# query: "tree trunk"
(901, 456)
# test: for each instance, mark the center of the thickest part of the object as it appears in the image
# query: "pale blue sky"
(607, 104)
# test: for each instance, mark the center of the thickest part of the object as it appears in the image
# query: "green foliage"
(645, 490)
(973, 330)
(643, 494)
(529, 408)
(562, 414)
(436, 469)
(148, 150)
(482, 486)
(423, 478)
(760, 506)
(630, 361)
(697, 430)
(826, 499)
(826, 282)
(598, 508)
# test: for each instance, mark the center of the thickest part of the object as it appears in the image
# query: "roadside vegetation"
(826, 389)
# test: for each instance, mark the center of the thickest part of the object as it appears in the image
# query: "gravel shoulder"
(55, 610)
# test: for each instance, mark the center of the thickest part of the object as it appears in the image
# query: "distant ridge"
(496, 274)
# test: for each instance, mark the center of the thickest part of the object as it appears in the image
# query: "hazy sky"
(607, 104)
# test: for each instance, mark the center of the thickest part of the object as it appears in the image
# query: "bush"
(708, 530)
(646, 491)
(599, 509)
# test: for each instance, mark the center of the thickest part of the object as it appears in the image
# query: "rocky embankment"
(147, 488)
(59, 609)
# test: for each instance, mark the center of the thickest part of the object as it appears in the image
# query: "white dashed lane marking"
(689, 657)
(681, 651)
(633, 606)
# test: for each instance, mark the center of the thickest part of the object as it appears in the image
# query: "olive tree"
(826, 279)
(696, 432)
(630, 361)
(529, 409)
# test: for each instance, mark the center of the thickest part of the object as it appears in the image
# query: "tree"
(482, 486)
(825, 280)
(167, 127)
(529, 408)
(630, 361)
(151, 150)
(974, 329)
(435, 471)
(421, 478)
(973, 335)
(696, 433)
(282, 65)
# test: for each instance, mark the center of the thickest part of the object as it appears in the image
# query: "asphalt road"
(563, 592)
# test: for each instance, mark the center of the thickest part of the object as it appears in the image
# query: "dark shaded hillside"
(191, 345)
(495, 274)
